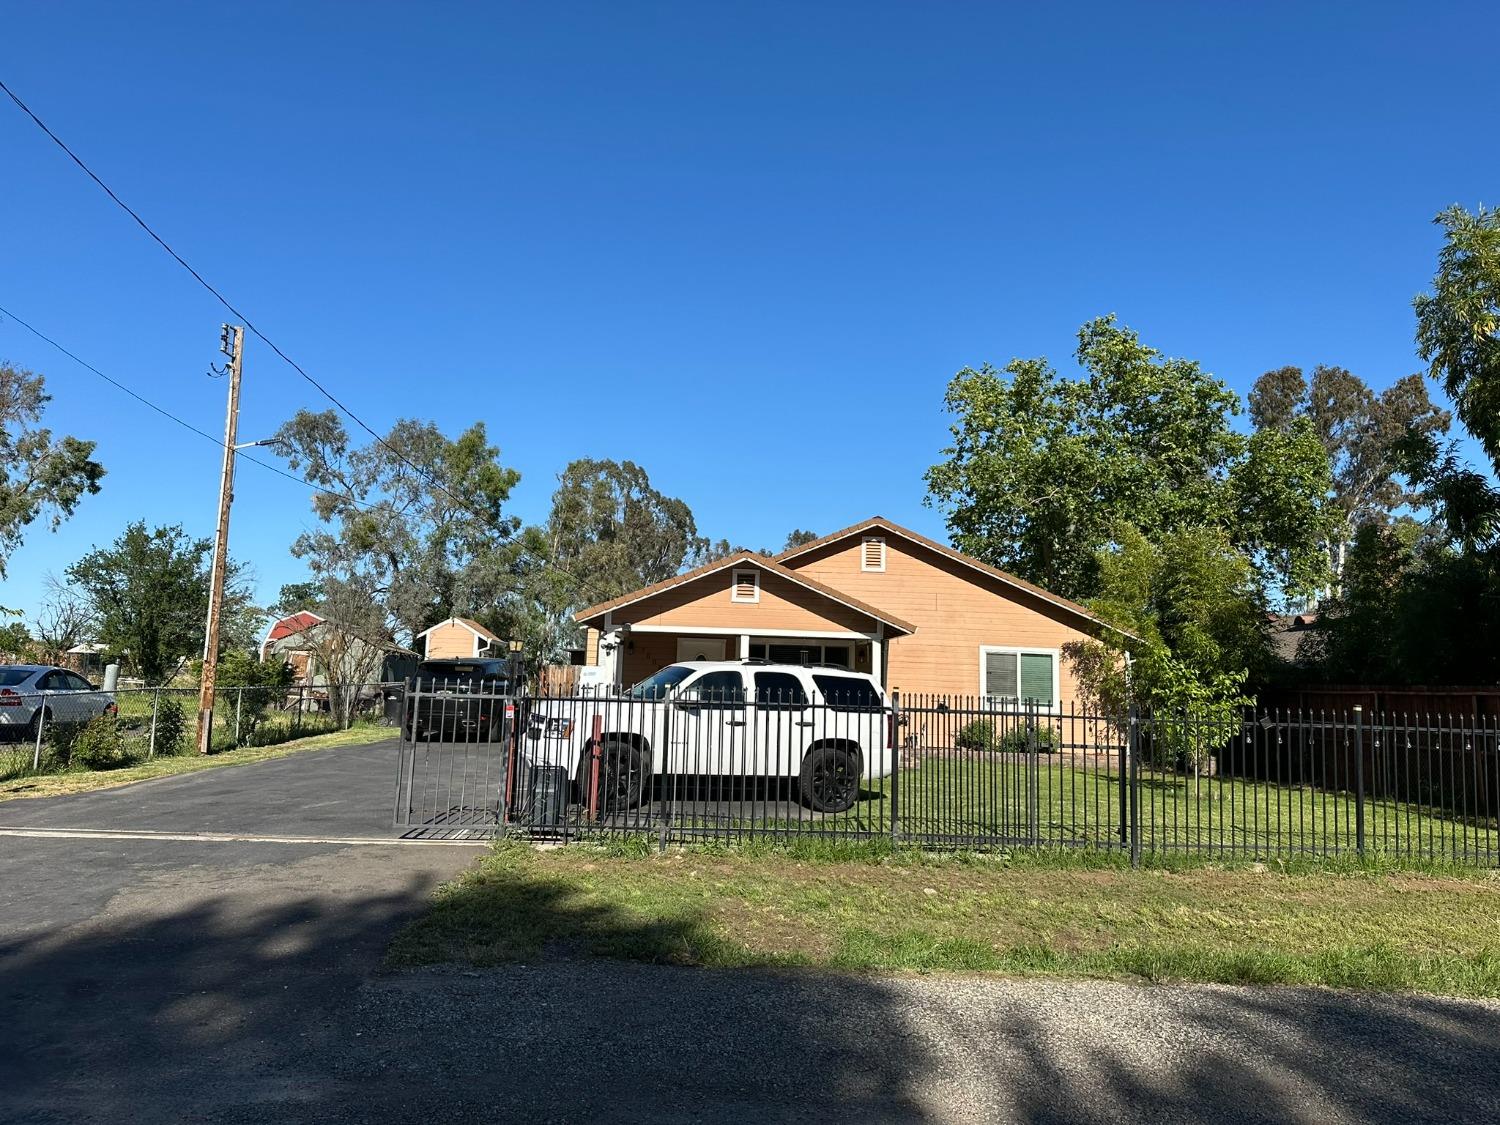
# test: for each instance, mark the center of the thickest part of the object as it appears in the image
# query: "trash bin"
(541, 797)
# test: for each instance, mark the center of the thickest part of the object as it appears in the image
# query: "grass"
(974, 797)
(85, 781)
(1340, 925)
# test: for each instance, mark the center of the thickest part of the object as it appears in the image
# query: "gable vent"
(746, 586)
(872, 553)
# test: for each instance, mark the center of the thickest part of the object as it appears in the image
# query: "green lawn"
(1432, 931)
(978, 799)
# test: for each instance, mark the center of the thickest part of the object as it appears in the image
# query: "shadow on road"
(223, 1004)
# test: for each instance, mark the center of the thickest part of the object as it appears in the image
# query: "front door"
(700, 648)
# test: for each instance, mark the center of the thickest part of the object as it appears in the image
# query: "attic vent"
(746, 587)
(872, 553)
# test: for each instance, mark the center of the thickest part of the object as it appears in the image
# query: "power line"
(165, 413)
(507, 538)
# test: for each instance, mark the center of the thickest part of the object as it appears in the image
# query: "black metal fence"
(43, 731)
(943, 772)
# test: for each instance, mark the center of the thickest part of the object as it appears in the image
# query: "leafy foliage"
(424, 545)
(1042, 469)
(38, 475)
(1361, 433)
(15, 639)
(147, 594)
(101, 745)
(255, 684)
(1458, 323)
(983, 735)
(171, 727)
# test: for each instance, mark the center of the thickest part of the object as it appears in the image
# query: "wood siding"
(451, 640)
(783, 604)
(956, 610)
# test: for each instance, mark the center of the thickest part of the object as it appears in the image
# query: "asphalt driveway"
(166, 977)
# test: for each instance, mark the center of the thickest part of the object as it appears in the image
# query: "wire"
(506, 537)
(165, 413)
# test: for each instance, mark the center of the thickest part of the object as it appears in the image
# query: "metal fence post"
(896, 739)
(1133, 753)
(1359, 779)
(151, 739)
(239, 700)
(41, 723)
(1033, 769)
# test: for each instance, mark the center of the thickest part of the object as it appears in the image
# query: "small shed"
(459, 638)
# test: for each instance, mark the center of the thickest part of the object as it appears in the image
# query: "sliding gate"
(456, 746)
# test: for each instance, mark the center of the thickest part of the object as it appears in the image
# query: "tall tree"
(1458, 323)
(1042, 469)
(1361, 433)
(614, 532)
(39, 475)
(427, 542)
(797, 538)
(147, 595)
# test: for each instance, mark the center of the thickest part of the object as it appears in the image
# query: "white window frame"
(1020, 651)
(734, 586)
(864, 559)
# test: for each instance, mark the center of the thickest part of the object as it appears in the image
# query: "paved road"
(156, 979)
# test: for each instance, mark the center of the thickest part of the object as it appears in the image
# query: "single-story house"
(459, 638)
(875, 597)
(309, 642)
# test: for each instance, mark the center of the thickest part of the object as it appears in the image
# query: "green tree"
(1458, 323)
(1191, 604)
(15, 640)
(614, 532)
(798, 538)
(1360, 432)
(39, 475)
(1042, 469)
(427, 545)
(147, 595)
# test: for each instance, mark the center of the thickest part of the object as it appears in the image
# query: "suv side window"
(720, 689)
(848, 693)
(778, 691)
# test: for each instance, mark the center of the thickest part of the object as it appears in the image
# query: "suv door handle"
(804, 722)
(735, 722)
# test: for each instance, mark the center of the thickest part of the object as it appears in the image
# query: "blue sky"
(743, 245)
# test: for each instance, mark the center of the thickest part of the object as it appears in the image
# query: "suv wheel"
(623, 777)
(829, 781)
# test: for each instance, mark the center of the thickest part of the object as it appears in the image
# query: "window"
(848, 693)
(1012, 675)
(77, 683)
(719, 689)
(10, 677)
(872, 553)
(778, 691)
(746, 586)
(801, 652)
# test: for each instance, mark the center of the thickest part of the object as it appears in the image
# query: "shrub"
(101, 746)
(981, 735)
(977, 735)
(171, 727)
(256, 685)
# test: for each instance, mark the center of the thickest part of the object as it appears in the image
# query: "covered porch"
(745, 607)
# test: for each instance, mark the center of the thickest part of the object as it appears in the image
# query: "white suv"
(827, 727)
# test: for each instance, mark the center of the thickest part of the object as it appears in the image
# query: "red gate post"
(596, 751)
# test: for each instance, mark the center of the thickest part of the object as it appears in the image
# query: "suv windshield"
(657, 685)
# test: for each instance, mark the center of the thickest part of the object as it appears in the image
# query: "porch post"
(877, 662)
(744, 646)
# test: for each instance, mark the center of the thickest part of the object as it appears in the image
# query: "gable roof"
(472, 626)
(883, 524)
(741, 558)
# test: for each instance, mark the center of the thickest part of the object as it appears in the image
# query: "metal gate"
(457, 747)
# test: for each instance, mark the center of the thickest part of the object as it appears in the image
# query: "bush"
(101, 746)
(256, 685)
(981, 735)
(978, 735)
(171, 727)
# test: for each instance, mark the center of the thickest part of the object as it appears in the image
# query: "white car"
(33, 695)
(827, 727)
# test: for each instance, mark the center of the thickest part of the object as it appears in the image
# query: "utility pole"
(232, 344)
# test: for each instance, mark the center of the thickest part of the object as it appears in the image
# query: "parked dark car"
(460, 699)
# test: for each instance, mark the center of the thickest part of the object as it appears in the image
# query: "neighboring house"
(875, 597)
(1288, 633)
(309, 642)
(459, 638)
